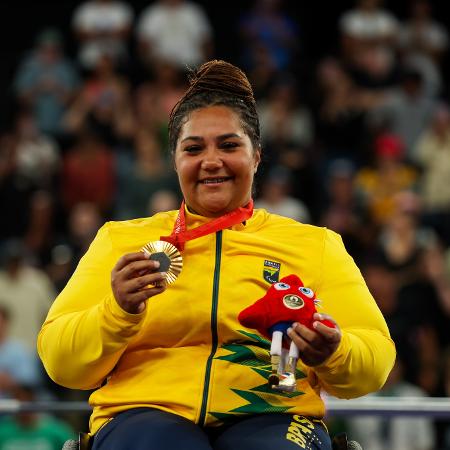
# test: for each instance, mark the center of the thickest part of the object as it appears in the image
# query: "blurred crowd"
(357, 140)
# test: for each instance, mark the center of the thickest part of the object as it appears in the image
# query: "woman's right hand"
(131, 278)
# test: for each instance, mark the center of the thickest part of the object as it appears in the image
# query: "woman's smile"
(211, 181)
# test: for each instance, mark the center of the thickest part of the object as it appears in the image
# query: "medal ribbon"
(180, 235)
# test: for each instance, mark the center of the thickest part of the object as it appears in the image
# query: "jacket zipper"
(214, 336)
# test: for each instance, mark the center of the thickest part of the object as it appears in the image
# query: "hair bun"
(220, 76)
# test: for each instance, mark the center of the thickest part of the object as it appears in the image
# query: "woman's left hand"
(316, 346)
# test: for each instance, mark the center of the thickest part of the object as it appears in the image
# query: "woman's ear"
(174, 164)
(257, 159)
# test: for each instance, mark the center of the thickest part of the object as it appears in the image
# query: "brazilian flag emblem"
(271, 271)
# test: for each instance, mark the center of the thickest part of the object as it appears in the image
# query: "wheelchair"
(339, 442)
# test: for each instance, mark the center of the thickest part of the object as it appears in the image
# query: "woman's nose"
(211, 160)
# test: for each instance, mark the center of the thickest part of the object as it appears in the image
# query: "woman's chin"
(215, 208)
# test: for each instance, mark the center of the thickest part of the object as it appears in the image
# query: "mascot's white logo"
(292, 301)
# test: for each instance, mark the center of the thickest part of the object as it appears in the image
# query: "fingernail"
(319, 316)
(315, 324)
(294, 325)
(156, 264)
(289, 330)
(163, 274)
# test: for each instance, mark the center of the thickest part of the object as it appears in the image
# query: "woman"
(172, 365)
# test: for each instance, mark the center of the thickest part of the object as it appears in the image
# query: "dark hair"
(215, 83)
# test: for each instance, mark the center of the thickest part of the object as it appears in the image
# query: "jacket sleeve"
(86, 331)
(366, 353)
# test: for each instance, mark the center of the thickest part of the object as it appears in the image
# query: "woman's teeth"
(214, 181)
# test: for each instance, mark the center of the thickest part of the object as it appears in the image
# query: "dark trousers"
(151, 429)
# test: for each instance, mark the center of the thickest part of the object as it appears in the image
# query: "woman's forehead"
(212, 119)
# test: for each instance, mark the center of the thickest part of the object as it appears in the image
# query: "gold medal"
(170, 259)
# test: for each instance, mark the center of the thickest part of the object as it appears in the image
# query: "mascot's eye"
(306, 291)
(281, 286)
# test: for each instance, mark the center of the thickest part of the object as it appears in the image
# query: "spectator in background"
(15, 190)
(379, 183)
(413, 254)
(432, 154)
(341, 210)
(26, 207)
(415, 317)
(88, 173)
(140, 175)
(435, 269)
(102, 27)
(26, 291)
(175, 31)
(41, 225)
(422, 43)
(268, 33)
(83, 223)
(367, 34)
(420, 33)
(46, 81)
(287, 132)
(402, 241)
(103, 105)
(37, 153)
(341, 111)
(275, 196)
(406, 111)
(31, 430)
(61, 265)
(18, 364)
(155, 98)
(368, 23)
(283, 119)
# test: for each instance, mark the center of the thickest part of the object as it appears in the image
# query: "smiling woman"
(215, 169)
(171, 364)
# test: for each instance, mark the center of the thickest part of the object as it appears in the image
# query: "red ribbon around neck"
(180, 235)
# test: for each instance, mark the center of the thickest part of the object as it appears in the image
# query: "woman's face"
(215, 161)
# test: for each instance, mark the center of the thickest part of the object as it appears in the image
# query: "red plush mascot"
(286, 302)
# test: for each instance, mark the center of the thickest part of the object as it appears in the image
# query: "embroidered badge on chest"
(271, 271)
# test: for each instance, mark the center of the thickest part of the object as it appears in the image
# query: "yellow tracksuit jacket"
(187, 353)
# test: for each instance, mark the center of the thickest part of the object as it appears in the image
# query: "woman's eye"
(192, 149)
(229, 145)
